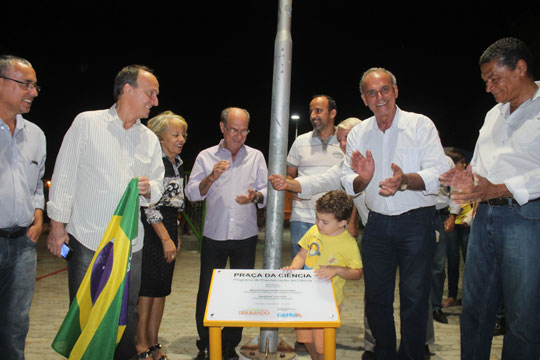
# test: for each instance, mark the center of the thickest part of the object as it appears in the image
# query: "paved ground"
(178, 332)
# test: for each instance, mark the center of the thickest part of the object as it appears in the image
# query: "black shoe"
(500, 329)
(427, 354)
(439, 316)
(368, 355)
(202, 355)
(230, 354)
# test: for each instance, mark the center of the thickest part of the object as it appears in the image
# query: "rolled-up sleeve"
(262, 179)
(198, 173)
(63, 182)
(155, 177)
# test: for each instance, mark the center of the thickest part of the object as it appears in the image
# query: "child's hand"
(326, 272)
(287, 268)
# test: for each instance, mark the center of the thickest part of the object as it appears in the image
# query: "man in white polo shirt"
(312, 153)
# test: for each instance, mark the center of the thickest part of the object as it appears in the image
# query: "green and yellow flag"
(97, 317)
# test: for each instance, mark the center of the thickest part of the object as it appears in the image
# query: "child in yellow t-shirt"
(332, 252)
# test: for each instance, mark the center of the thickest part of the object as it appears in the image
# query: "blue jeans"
(406, 242)
(438, 273)
(298, 229)
(17, 278)
(503, 264)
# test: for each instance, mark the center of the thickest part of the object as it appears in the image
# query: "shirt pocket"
(31, 170)
(527, 137)
(408, 159)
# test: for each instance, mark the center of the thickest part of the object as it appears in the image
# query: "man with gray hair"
(396, 158)
(232, 178)
(22, 160)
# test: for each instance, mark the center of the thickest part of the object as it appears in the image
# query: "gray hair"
(160, 123)
(7, 61)
(349, 123)
(226, 111)
(376, 69)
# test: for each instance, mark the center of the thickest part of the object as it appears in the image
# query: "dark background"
(210, 55)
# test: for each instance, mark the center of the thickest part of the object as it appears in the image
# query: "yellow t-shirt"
(339, 250)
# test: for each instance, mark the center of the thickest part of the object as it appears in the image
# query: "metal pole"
(279, 128)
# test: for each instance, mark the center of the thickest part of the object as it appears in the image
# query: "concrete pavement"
(178, 332)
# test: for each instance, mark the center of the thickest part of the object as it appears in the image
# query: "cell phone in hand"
(66, 252)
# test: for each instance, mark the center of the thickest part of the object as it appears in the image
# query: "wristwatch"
(256, 198)
(404, 183)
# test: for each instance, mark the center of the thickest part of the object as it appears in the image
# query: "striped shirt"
(97, 159)
(312, 157)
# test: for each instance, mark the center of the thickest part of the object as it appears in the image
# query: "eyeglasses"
(27, 84)
(234, 131)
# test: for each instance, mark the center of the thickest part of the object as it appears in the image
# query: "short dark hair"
(456, 155)
(128, 75)
(507, 52)
(335, 202)
(331, 102)
(6, 62)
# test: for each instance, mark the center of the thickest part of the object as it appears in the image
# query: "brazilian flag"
(97, 317)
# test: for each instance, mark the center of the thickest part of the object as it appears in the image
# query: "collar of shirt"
(115, 118)
(223, 150)
(176, 157)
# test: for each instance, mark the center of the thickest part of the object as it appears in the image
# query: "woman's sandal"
(144, 355)
(157, 347)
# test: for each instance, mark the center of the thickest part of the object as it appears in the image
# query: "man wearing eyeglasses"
(22, 160)
(100, 154)
(232, 178)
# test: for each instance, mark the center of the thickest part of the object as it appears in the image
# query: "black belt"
(14, 232)
(504, 202)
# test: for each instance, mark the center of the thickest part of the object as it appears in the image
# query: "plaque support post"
(215, 342)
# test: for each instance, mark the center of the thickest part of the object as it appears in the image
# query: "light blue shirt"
(225, 218)
(22, 163)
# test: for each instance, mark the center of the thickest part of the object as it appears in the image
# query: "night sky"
(210, 55)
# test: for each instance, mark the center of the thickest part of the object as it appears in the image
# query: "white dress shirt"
(412, 143)
(97, 159)
(327, 181)
(508, 149)
(22, 163)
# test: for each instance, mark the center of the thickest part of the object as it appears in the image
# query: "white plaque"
(274, 296)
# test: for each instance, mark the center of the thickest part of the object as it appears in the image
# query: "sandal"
(157, 347)
(144, 355)
(450, 302)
